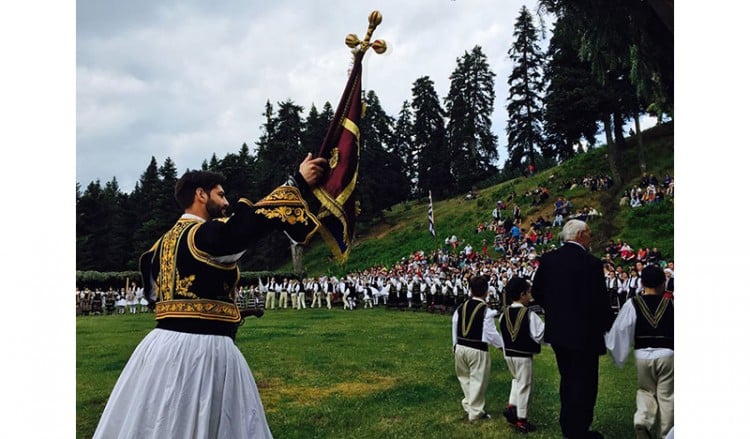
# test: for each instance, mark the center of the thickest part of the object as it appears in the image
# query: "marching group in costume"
(513, 294)
(580, 325)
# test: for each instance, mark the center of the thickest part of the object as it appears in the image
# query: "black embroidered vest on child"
(471, 324)
(514, 327)
(654, 324)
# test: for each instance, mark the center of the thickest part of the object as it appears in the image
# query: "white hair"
(571, 229)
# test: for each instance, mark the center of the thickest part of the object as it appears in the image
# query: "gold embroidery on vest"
(200, 308)
(464, 327)
(652, 318)
(182, 285)
(515, 327)
(168, 275)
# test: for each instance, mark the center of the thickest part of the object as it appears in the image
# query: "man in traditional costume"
(187, 378)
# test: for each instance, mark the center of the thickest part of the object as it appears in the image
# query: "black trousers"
(579, 385)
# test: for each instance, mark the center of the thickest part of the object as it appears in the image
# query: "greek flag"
(430, 218)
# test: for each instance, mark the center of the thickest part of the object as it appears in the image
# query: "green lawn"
(355, 374)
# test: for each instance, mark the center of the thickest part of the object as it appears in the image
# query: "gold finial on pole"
(360, 46)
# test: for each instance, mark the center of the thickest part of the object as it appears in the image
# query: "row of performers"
(432, 293)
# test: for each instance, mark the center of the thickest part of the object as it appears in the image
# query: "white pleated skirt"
(180, 385)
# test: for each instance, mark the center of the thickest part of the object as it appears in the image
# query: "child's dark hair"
(652, 276)
(515, 287)
(184, 189)
(478, 285)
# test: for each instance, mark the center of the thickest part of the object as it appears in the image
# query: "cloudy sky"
(186, 79)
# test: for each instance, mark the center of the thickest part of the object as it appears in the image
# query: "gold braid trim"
(285, 203)
(198, 309)
(652, 318)
(167, 280)
(515, 327)
(464, 326)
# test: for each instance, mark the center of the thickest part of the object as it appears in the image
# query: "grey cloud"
(188, 79)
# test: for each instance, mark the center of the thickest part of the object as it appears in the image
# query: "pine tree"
(148, 198)
(280, 148)
(381, 182)
(525, 112)
(88, 226)
(315, 127)
(103, 235)
(430, 142)
(469, 104)
(402, 146)
(239, 171)
(632, 35)
(572, 99)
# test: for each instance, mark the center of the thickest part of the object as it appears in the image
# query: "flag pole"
(431, 220)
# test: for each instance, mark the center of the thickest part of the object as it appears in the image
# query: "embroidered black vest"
(654, 324)
(471, 324)
(194, 293)
(514, 327)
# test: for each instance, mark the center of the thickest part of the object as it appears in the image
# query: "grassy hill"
(404, 228)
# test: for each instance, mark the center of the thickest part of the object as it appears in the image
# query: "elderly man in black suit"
(570, 287)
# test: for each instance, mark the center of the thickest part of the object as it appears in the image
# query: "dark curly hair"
(184, 189)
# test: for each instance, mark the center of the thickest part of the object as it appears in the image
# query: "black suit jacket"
(569, 284)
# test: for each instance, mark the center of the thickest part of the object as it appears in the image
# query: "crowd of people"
(111, 301)
(649, 190)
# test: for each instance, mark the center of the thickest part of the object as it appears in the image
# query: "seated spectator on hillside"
(626, 252)
(544, 195)
(454, 243)
(499, 247)
(635, 202)
(654, 256)
(645, 179)
(558, 212)
(667, 180)
(515, 232)
(548, 236)
(641, 254)
(531, 237)
(542, 222)
(612, 249)
(468, 250)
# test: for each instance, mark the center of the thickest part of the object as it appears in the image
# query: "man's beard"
(214, 210)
